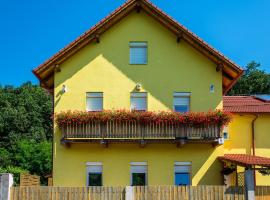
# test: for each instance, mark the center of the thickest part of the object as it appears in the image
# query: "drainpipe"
(253, 133)
(253, 142)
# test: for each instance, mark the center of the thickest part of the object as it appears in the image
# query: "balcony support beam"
(142, 143)
(180, 143)
(104, 143)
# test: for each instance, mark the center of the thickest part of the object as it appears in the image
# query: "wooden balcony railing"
(136, 131)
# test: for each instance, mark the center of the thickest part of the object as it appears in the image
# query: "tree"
(25, 129)
(254, 81)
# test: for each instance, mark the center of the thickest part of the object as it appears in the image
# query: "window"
(138, 173)
(225, 133)
(138, 101)
(94, 174)
(181, 101)
(182, 173)
(212, 88)
(138, 53)
(94, 101)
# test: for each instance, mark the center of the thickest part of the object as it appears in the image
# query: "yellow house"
(138, 58)
(248, 133)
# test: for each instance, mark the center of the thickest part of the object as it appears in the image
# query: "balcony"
(134, 131)
(142, 128)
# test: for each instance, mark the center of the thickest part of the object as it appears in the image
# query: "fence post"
(129, 193)
(6, 182)
(249, 184)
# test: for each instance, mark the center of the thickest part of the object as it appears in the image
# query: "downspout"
(253, 133)
(253, 142)
(53, 98)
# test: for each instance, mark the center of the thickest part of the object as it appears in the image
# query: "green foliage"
(254, 81)
(25, 129)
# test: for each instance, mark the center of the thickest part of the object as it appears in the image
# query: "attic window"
(138, 53)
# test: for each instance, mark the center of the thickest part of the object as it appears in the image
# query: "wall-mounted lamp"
(64, 89)
(138, 86)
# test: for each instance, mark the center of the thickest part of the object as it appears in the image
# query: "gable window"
(226, 133)
(181, 101)
(94, 174)
(138, 101)
(94, 101)
(182, 171)
(138, 53)
(138, 173)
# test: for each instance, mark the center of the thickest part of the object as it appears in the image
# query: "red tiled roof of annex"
(245, 104)
(246, 160)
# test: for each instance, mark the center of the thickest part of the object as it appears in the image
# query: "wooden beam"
(226, 75)
(179, 37)
(57, 68)
(219, 67)
(180, 143)
(104, 143)
(97, 38)
(65, 143)
(138, 7)
(142, 143)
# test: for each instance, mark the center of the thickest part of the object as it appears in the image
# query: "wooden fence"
(138, 193)
(189, 193)
(262, 193)
(67, 193)
(29, 180)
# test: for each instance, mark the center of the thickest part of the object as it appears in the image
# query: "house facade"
(139, 59)
(247, 133)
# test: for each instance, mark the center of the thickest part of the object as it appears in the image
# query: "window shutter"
(94, 101)
(138, 101)
(94, 167)
(138, 53)
(181, 101)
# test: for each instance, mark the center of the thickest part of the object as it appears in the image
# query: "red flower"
(191, 118)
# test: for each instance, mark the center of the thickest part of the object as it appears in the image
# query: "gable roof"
(231, 72)
(245, 104)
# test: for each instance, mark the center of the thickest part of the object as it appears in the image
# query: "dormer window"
(138, 53)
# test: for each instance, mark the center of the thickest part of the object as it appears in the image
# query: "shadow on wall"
(213, 175)
(171, 65)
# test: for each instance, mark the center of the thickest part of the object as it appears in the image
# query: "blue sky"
(31, 31)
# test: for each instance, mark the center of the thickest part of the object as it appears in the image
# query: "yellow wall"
(104, 67)
(70, 168)
(172, 67)
(240, 139)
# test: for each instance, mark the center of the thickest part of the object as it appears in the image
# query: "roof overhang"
(245, 160)
(230, 71)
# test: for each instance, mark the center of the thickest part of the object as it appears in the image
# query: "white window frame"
(138, 95)
(185, 95)
(98, 166)
(183, 164)
(93, 95)
(138, 164)
(138, 44)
